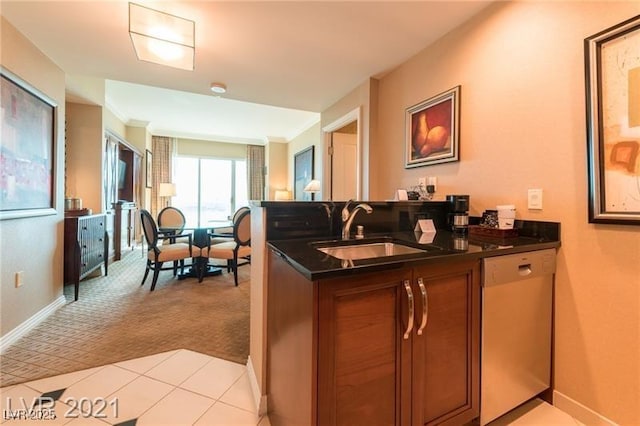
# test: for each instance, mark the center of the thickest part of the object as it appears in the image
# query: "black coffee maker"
(458, 213)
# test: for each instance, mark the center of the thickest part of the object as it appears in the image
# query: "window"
(209, 189)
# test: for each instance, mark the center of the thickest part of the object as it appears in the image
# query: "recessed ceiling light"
(218, 88)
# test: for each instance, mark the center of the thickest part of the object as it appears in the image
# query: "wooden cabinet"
(398, 347)
(124, 224)
(123, 193)
(86, 247)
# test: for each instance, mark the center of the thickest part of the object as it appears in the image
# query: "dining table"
(201, 267)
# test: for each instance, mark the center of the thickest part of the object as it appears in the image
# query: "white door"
(344, 166)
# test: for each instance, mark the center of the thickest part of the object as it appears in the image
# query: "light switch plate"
(534, 199)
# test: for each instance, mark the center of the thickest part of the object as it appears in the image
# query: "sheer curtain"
(255, 172)
(163, 149)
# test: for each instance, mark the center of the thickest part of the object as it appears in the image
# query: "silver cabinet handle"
(407, 287)
(425, 306)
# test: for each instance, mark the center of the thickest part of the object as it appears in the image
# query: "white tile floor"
(536, 413)
(176, 388)
(171, 388)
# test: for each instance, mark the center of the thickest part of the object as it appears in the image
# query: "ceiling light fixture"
(162, 38)
(218, 88)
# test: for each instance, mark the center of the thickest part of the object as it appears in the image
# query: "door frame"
(327, 131)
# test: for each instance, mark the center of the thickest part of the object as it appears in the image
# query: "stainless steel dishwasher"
(516, 330)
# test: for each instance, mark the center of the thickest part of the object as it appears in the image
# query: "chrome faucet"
(347, 217)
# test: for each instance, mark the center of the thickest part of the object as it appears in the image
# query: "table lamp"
(167, 190)
(312, 187)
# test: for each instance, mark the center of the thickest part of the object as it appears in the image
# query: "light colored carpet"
(116, 319)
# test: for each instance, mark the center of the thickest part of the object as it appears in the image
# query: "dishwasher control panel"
(520, 266)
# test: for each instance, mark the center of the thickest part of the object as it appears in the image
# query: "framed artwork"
(612, 68)
(27, 149)
(149, 170)
(432, 130)
(302, 173)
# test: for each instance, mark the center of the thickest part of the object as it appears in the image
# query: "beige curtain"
(255, 172)
(162, 150)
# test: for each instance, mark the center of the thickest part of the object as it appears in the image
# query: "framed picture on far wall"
(612, 65)
(302, 173)
(27, 146)
(433, 130)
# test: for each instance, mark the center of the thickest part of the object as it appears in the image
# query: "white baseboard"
(12, 336)
(580, 412)
(259, 399)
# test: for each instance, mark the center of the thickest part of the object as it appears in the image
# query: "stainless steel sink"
(369, 251)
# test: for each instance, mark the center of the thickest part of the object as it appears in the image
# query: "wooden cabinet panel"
(446, 356)
(360, 350)
(291, 349)
(124, 221)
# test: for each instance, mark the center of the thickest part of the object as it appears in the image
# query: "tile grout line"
(98, 369)
(151, 368)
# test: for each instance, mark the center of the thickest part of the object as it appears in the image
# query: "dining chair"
(227, 236)
(171, 219)
(238, 248)
(157, 253)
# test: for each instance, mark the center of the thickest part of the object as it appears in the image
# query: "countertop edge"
(445, 256)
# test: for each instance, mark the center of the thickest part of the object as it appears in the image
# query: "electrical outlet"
(19, 279)
(422, 182)
(534, 199)
(432, 180)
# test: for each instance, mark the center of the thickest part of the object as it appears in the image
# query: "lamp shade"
(162, 38)
(167, 190)
(313, 186)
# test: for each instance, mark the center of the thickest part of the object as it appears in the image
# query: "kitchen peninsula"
(384, 340)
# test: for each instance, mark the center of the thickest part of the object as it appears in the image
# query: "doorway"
(342, 139)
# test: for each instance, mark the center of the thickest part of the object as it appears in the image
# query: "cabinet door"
(446, 360)
(363, 360)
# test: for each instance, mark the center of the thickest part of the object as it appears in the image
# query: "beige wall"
(521, 68)
(309, 137)
(277, 172)
(137, 137)
(84, 154)
(113, 123)
(41, 238)
(82, 89)
(363, 96)
(203, 148)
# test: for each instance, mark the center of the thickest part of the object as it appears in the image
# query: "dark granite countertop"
(303, 255)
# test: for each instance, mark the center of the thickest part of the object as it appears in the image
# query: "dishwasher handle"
(524, 270)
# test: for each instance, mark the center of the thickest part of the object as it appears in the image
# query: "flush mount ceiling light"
(162, 38)
(218, 88)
